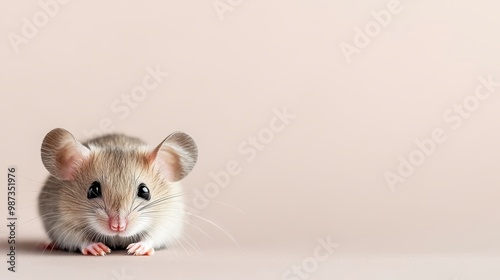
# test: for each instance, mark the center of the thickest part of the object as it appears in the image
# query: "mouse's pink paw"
(96, 249)
(140, 249)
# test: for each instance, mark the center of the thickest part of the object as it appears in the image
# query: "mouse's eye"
(143, 192)
(94, 190)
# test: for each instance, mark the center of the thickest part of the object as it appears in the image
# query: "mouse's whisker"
(215, 225)
(202, 231)
(28, 178)
(160, 200)
(31, 220)
(191, 238)
(197, 248)
(180, 244)
(141, 203)
(228, 205)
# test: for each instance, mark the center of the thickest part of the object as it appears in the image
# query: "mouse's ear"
(62, 155)
(175, 156)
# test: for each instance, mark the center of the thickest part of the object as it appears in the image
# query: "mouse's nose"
(117, 223)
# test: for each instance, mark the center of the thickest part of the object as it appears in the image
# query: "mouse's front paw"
(96, 249)
(140, 249)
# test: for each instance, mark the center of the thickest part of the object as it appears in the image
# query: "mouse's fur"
(119, 163)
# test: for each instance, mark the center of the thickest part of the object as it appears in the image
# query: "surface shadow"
(33, 247)
(37, 247)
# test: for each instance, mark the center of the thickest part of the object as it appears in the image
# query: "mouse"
(114, 192)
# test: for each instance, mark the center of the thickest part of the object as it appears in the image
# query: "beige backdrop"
(372, 122)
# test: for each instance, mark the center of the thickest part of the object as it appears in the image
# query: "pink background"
(322, 174)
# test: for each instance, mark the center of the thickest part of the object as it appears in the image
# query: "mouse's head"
(117, 186)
